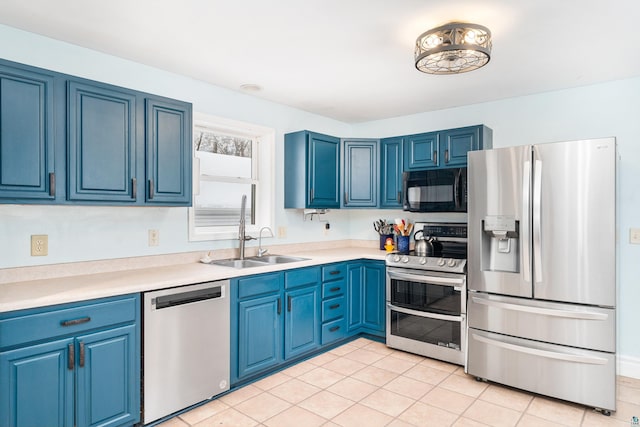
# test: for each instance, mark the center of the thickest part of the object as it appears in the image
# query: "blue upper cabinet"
(64, 139)
(311, 170)
(447, 148)
(101, 143)
(360, 172)
(26, 135)
(168, 156)
(391, 168)
(456, 143)
(421, 151)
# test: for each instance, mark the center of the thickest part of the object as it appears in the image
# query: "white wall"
(88, 233)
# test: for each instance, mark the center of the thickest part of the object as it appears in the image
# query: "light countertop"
(20, 295)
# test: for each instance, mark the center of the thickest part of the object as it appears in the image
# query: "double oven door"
(426, 313)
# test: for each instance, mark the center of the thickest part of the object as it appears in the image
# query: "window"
(231, 159)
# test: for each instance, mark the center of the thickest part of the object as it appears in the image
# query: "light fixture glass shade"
(453, 48)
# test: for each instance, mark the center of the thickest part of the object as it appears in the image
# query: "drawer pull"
(82, 354)
(76, 321)
(334, 306)
(336, 289)
(333, 329)
(71, 361)
(334, 272)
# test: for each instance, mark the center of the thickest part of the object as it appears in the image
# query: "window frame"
(263, 164)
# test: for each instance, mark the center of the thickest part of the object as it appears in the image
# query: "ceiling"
(351, 60)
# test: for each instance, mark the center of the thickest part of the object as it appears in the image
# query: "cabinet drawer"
(333, 331)
(301, 277)
(257, 285)
(333, 289)
(51, 322)
(333, 308)
(334, 271)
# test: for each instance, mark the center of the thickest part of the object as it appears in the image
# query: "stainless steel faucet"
(242, 237)
(260, 250)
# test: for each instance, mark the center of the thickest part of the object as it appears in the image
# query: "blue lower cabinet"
(259, 334)
(37, 386)
(106, 378)
(302, 320)
(71, 365)
(366, 297)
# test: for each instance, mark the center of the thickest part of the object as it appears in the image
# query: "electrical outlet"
(39, 245)
(327, 228)
(154, 238)
(634, 236)
(282, 232)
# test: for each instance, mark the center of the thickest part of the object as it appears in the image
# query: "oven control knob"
(423, 260)
(452, 263)
(396, 258)
(441, 262)
(405, 259)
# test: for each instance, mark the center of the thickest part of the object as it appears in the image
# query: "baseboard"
(629, 366)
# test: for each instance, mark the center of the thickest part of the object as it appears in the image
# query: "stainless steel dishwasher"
(186, 347)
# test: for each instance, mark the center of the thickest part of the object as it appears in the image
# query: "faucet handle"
(262, 251)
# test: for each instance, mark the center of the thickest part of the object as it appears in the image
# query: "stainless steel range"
(426, 295)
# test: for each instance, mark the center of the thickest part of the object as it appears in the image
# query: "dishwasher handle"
(188, 297)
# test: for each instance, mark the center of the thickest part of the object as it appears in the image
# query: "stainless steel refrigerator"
(542, 269)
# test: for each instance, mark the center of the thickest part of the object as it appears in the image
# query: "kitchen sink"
(257, 261)
(238, 263)
(277, 259)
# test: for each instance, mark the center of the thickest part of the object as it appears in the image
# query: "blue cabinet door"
(391, 168)
(168, 152)
(360, 185)
(421, 151)
(26, 135)
(366, 297)
(456, 143)
(323, 171)
(37, 385)
(355, 296)
(373, 313)
(302, 320)
(101, 143)
(108, 378)
(259, 334)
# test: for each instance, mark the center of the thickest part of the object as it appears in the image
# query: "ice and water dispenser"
(501, 244)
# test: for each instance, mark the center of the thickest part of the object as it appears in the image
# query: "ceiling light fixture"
(453, 48)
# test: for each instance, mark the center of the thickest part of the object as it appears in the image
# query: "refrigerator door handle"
(543, 353)
(525, 227)
(537, 210)
(580, 315)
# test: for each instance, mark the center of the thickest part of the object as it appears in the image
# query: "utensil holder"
(383, 240)
(403, 245)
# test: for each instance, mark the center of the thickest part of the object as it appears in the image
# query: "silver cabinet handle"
(150, 189)
(542, 353)
(134, 190)
(52, 184)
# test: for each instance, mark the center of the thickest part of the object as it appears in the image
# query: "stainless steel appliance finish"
(435, 190)
(542, 283)
(426, 297)
(186, 354)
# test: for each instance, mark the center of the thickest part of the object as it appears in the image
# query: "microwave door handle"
(456, 188)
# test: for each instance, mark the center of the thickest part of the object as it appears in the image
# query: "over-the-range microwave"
(435, 190)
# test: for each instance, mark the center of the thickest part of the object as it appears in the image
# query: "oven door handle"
(435, 280)
(424, 313)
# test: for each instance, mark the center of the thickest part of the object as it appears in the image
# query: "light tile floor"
(365, 383)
